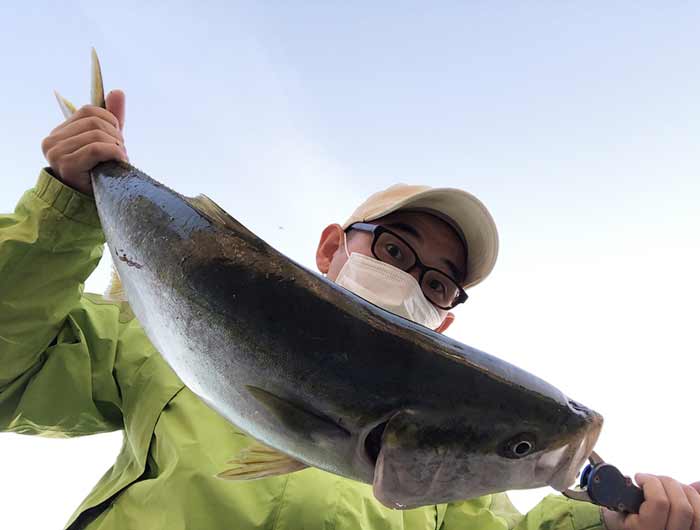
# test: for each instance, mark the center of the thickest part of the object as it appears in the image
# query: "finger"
(696, 486)
(612, 519)
(87, 124)
(82, 125)
(92, 154)
(653, 513)
(73, 143)
(694, 500)
(634, 521)
(631, 522)
(92, 110)
(680, 515)
(116, 104)
(88, 111)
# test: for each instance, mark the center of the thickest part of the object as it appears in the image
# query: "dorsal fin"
(212, 211)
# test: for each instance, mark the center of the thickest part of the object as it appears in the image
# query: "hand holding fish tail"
(668, 505)
(90, 136)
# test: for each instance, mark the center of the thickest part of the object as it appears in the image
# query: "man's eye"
(436, 285)
(393, 251)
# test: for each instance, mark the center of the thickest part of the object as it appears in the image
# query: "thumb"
(613, 520)
(115, 103)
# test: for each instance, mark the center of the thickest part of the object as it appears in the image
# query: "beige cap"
(467, 213)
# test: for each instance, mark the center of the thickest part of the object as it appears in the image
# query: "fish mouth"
(566, 462)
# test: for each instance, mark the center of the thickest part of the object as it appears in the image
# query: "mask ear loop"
(345, 243)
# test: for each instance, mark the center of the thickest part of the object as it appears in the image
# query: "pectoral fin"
(299, 420)
(258, 461)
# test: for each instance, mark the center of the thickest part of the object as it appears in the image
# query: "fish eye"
(522, 448)
(518, 446)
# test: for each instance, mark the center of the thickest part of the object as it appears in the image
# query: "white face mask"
(387, 287)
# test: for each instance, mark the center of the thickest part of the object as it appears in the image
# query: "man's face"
(435, 242)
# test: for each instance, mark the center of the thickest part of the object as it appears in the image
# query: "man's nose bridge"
(415, 271)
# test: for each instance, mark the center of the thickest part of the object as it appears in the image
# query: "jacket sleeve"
(57, 347)
(554, 512)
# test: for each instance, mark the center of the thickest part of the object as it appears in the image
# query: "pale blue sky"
(576, 124)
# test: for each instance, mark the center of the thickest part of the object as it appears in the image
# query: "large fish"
(319, 375)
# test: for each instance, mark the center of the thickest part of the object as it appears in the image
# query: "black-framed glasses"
(391, 248)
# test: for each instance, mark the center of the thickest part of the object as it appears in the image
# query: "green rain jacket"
(73, 364)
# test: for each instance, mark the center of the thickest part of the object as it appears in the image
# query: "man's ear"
(331, 239)
(449, 318)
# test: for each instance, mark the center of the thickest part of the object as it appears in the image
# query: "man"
(74, 364)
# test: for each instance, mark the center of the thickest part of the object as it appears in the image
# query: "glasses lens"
(439, 289)
(392, 250)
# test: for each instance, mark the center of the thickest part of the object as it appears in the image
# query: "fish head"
(430, 457)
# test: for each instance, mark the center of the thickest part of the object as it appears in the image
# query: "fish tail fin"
(115, 289)
(97, 91)
(67, 108)
(258, 461)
